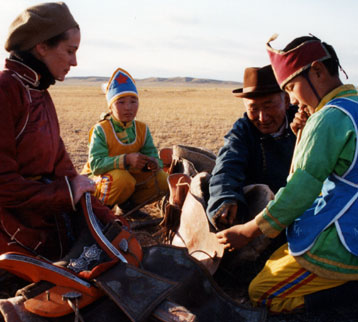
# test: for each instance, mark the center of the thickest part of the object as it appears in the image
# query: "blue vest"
(337, 205)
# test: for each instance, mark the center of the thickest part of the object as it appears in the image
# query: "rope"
(12, 237)
(75, 309)
(132, 253)
(298, 138)
(204, 252)
(146, 180)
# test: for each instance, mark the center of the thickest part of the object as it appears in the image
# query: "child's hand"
(300, 120)
(137, 160)
(233, 237)
(152, 164)
(238, 236)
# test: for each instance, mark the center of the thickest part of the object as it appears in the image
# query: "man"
(318, 207)
(257, 150)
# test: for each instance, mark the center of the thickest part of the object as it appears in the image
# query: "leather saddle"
(139, 285)
(72, 279)
(60, 290)
(185, 221)
(186, 224)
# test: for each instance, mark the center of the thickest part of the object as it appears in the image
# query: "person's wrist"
(252, 229)
(125, 162)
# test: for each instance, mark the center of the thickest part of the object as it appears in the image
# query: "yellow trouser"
(116, 186)
(283, 283)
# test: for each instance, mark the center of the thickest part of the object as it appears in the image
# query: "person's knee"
(123, 185)
(162, 178)
(124, 181)
(116, 186)
(254, 291)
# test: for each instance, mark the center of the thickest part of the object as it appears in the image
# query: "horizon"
(157, 77)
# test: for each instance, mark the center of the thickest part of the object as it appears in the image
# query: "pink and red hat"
(288, 64)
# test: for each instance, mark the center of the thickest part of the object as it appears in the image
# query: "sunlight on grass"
(195, 116)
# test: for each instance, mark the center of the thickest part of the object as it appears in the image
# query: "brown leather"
(165, 155)
(195, 234)
(52, 304)
(35, 270)
(179, 185)
(133, 252)
(186, 225)
(191, 160)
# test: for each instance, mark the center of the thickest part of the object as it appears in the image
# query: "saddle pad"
(196, 291)
(135, 291)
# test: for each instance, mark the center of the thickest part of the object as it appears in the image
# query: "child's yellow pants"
(117, 186)
(283, 283)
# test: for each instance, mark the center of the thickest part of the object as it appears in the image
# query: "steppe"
(198, 114)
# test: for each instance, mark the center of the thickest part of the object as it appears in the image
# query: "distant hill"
(83, 80)
(185, 80)
(153, 81)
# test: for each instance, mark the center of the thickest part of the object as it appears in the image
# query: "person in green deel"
(318, 267)
(123, 160)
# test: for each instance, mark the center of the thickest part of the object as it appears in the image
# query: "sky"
(197, 38)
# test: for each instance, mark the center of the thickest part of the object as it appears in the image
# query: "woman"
(39, 186)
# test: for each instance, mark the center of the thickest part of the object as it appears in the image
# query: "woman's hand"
(300, 120)
(80, 185)
(137, 160)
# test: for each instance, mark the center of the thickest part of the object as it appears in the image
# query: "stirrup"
(50, 303)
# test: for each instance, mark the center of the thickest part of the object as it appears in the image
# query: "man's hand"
(238, 236)
(137, 160)
(80, 185)
(300, 120)
(226, 216)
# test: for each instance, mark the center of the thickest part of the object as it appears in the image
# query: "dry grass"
(197, 116)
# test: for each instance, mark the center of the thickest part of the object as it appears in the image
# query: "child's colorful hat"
(121, 84)
(288, 64)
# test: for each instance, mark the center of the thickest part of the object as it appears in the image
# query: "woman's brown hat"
(37, 24)
(258, 82)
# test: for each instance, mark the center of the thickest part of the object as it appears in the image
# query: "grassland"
(197, 116)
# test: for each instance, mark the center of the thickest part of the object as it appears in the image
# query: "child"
(318, 207)
(123, 160)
